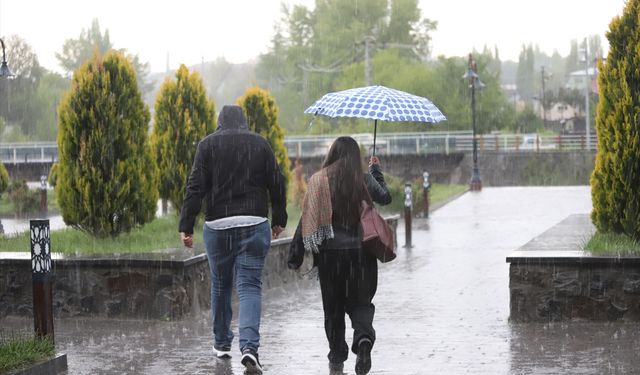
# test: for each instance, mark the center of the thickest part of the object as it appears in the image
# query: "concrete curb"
(55, 365)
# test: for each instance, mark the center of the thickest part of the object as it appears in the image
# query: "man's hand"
(275, 231)
(374, 161)
(187, 239)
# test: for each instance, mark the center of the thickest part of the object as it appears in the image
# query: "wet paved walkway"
(442, 308)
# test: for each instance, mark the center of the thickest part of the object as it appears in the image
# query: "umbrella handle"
(375, 130)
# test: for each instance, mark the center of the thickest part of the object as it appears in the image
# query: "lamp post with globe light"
(474, 82)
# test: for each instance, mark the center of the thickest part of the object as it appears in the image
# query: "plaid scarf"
(317, 212)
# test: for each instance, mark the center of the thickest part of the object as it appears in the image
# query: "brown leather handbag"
(377, 235)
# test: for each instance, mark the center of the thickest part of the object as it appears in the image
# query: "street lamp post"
(4, 68)
(474, 81)
(587, 83)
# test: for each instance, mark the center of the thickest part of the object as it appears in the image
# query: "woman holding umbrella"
(330, 227)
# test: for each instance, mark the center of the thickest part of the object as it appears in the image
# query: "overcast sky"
(239, 30)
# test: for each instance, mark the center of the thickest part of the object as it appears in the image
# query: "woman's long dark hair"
(344, 168)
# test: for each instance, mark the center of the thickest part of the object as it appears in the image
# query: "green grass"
(612, 244)
(162, 233)
(440, 193)
(19, 352)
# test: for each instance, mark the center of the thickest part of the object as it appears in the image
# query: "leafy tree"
(50, 90)
(262, 117)
(76, 51)
(616, 177)
(311, 49)
(573, 60)
(107, 180)
(17, 96)
(526, 77)
(528, 121)
(183, 116)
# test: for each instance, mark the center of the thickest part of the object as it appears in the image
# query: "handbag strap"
(367, 194)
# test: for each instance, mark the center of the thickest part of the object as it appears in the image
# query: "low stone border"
(53, 366)
(552, 279)
(164, 285)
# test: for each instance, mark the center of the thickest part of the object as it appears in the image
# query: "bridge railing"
(386, 144)
(28, 152)
(445, 143)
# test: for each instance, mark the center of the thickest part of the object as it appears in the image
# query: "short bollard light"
(43, 193)
(408, 202)
(425, 191)
(41, 278)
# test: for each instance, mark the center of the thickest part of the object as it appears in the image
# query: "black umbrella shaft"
(375, 130)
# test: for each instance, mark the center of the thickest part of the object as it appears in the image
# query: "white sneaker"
(223, 352)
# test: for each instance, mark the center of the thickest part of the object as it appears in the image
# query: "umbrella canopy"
(376, 103)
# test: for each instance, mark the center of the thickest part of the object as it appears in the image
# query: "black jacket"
(236, 172)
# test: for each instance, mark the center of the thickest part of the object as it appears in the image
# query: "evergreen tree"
(616, 177)
(525, 78)
(4, 178)
(262, 117)
(183, 116)
(107, 180)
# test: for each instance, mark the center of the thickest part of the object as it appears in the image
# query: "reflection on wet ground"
(441, 308)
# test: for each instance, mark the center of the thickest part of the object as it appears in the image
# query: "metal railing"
(444, 143)
(28, 152)
(386, 144)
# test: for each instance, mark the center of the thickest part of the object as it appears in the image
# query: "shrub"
(183, 116)
(107, 180)
(262, 117)
(300, 185)
(53, 175)
(616, 176)
(4, 178)
(24, 200)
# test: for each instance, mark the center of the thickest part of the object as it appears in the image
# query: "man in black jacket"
(235, 171)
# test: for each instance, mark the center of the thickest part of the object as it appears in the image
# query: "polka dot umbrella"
(376, 103)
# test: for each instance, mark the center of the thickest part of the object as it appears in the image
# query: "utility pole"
(544, 113)
(305, 87)
(586, 92)
(367, 59)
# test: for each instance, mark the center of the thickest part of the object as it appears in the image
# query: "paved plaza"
(442, 307)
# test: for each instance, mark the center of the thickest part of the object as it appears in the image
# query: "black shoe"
(363, 362)
(336, 366)
(250, 361)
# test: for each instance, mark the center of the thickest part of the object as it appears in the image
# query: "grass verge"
(162, 233)
(16, 353)
(612, 244)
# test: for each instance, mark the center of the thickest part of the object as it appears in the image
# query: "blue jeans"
(238, 252)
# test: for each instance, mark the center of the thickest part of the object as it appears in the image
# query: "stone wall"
(117, 287)
(552, 279)
(160, 285)
(554, 292)
(559, 168)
